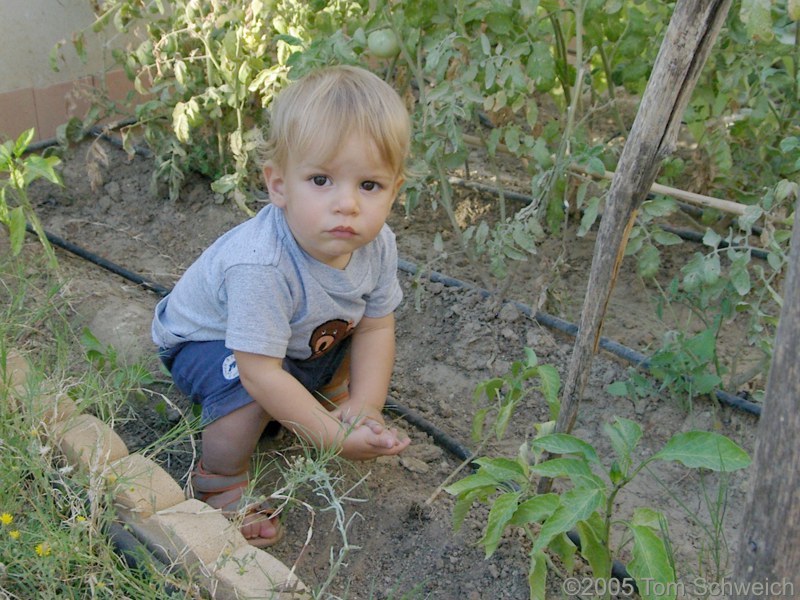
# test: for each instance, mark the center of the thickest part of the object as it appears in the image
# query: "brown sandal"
(204, 485)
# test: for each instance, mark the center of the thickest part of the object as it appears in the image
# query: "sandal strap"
(204, 484)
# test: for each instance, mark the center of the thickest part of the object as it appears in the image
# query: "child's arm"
(285, 399)
(371, 362)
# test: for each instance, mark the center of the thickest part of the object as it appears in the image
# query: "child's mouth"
(343, 232)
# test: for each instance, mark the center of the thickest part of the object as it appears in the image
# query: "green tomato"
(383, 43)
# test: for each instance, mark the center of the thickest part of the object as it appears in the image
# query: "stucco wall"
(32, 94)
(29, 30)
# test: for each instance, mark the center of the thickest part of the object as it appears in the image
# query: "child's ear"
(398, 183)
(273, 177)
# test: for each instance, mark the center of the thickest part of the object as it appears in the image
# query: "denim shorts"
(207, 373)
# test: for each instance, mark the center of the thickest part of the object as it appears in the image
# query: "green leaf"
(563, 547)
(647, 517)
(16, 230)
(660, 206)
(711, 269)
(180, 123)
(793, 9)
(472, 482)
(593, 548)
(705, 383)
(462, 507)
(755, 14)
(38, 166)
(703, 449)
(537, 576)
(740, 276)
(711, 238)
(618, 388)
(666, 238)
(576, 505)
(650, 565)
(624, 435)
(589, 216)
(501, 469)
(703, 345)
(550, 385)
(571, 468)
(648, 261)
(477, 423)
(536, 509)
(563, 443)
(500, 514)
(503, 417)
(23, 141)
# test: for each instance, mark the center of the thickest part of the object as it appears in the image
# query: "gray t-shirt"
(259, 291)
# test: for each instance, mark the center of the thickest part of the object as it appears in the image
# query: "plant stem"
(447, 203)
(612, 94)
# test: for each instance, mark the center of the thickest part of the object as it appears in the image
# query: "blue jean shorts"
(207, 373)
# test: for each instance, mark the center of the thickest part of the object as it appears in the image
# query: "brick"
(15, 373)
(56, 103)
(190, 532)
(88, 442)
(17, 113)
(52, 408)
(205, 544)
(252, 573)
(141, 487)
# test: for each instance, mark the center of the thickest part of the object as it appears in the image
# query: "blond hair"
(317, 112)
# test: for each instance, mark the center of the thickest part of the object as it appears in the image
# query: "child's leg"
(337, 390)
(228, 445)
(206, 372)
(229, 442)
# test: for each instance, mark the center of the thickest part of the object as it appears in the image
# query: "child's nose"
(347, 202)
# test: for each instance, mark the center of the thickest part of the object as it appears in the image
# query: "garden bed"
(449, 340)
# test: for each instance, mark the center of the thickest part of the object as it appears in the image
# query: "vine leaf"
(650, 565)
(704, 449)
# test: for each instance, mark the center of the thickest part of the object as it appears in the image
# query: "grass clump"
(54, 519)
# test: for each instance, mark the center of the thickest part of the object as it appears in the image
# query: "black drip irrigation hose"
(132, 550)
(632, 356)
(687, 234)
(442, 439)
(637, 359)
(102, 262)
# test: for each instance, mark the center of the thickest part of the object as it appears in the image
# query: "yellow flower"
(80, 518)
(43, 549)
(6, 518)
(14, 534)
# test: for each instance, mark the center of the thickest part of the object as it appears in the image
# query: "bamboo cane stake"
(726, 206)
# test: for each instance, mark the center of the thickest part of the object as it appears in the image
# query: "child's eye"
(319, 180)
(371, 186)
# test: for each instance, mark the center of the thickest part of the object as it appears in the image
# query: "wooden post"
(769, 552)
(688, 40)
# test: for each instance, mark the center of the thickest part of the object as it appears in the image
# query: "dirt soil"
(449, 339)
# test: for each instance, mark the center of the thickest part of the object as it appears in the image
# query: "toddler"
(290, 315)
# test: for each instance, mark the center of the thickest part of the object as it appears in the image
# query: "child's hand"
(355, 416)
(371, 440)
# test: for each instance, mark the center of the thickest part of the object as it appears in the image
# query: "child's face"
(336, 206)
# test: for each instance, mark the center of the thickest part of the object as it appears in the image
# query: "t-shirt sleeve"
(387, 295)
(259, 304)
